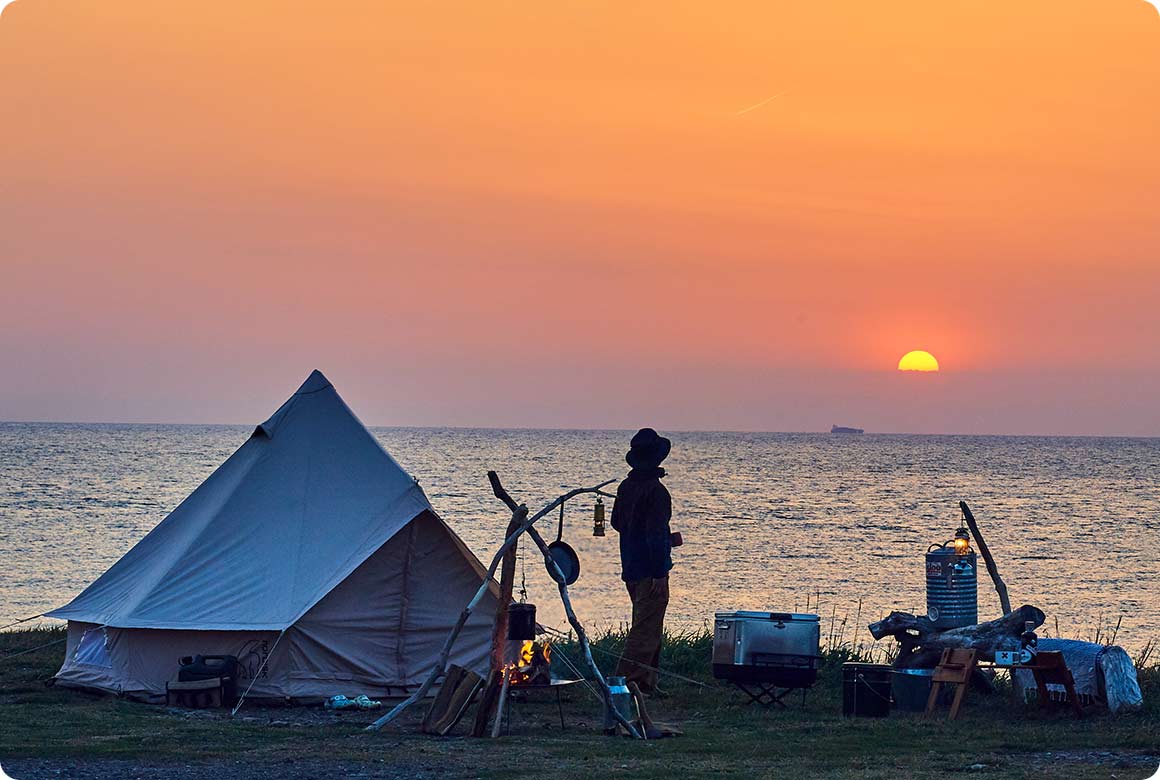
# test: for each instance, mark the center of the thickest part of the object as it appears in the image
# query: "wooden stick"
(507, 580)
(441, 663)
(503, 695)
(992, 569)
(558, 576)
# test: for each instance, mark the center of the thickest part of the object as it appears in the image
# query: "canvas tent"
(309, 554)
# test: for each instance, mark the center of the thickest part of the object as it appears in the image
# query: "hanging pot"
(563, 554)
(521, 622)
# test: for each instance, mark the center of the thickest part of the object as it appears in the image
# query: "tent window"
(93, 649)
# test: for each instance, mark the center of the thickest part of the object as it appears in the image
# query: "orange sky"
(562, 214)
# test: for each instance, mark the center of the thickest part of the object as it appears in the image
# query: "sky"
(690, 215)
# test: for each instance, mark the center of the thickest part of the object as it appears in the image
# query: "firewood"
(487, 701)
(454, 697)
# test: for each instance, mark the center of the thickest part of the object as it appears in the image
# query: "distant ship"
(843, 429)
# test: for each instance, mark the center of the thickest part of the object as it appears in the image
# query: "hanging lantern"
(598, 518)
(521, 622)
(962, 541)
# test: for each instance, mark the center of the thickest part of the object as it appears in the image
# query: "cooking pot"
(563, 554)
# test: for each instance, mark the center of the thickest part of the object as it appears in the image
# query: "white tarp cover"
(297, 532)
(1104, 673)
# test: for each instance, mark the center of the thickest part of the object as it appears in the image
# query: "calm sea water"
(769, 519)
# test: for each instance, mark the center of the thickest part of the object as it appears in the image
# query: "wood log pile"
(922, 644)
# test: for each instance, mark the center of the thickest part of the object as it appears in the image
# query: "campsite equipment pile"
(955, 649)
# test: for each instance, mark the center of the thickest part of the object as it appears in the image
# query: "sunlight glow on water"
(767, 518)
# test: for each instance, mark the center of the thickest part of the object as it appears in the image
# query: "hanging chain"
(523, 577)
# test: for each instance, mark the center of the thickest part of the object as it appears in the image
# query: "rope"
(33, 649)
(561, 635)
(18, 622)
(861, 678)
(257, 674)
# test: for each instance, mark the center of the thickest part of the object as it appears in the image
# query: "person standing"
(641, 515)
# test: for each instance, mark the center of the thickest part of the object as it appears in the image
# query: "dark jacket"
(641, 515)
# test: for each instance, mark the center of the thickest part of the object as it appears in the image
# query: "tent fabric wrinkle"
(310, 532)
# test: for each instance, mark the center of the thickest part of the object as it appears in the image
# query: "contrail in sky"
(756, 106)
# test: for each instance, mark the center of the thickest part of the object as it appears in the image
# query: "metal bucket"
(911, 688)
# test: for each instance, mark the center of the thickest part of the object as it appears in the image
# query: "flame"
(526, 665)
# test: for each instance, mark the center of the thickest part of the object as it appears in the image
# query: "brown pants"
(643, 645)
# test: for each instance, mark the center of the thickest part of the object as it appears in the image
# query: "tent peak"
(315, 382)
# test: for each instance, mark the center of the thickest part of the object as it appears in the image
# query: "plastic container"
(866, 690)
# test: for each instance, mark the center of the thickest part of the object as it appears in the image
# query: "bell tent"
(310, 555)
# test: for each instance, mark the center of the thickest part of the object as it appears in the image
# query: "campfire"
(531, 664)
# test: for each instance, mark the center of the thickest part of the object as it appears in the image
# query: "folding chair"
(954, 668)
(1051, 668)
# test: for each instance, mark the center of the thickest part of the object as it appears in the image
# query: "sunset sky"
(691, 215)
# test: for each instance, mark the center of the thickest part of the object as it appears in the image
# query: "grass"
(724, 737)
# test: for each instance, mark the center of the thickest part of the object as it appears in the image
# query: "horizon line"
(547, 428)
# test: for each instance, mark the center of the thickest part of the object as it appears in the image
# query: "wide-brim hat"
(648, 449)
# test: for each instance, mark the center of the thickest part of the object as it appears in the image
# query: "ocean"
(771, 521)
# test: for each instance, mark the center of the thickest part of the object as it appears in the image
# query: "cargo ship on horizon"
(844, 429)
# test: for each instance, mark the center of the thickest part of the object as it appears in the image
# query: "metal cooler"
(768, 650)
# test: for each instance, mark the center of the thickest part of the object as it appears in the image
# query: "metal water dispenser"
(952, 584)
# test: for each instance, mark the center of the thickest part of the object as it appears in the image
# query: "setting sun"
(918, 360)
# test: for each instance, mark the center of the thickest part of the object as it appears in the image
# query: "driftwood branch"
(922, 643)
(992, 569)
(560, 580)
